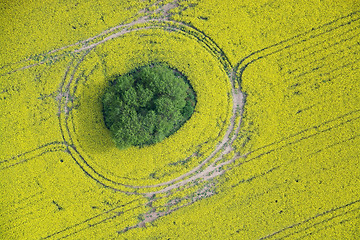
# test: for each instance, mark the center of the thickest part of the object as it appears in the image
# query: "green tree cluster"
(147, 105)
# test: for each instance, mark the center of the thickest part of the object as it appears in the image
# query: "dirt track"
(212, 170)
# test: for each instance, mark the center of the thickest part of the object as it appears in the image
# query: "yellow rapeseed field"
(271, 151)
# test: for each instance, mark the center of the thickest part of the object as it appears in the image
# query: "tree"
(147, 105)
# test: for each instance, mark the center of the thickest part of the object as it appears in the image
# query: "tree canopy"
(147, 105)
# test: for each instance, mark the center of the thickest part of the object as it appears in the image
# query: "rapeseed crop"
(271, 150)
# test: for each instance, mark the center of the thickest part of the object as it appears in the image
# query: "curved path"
(225, 145)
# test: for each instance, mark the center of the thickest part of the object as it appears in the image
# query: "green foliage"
(147, 105)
